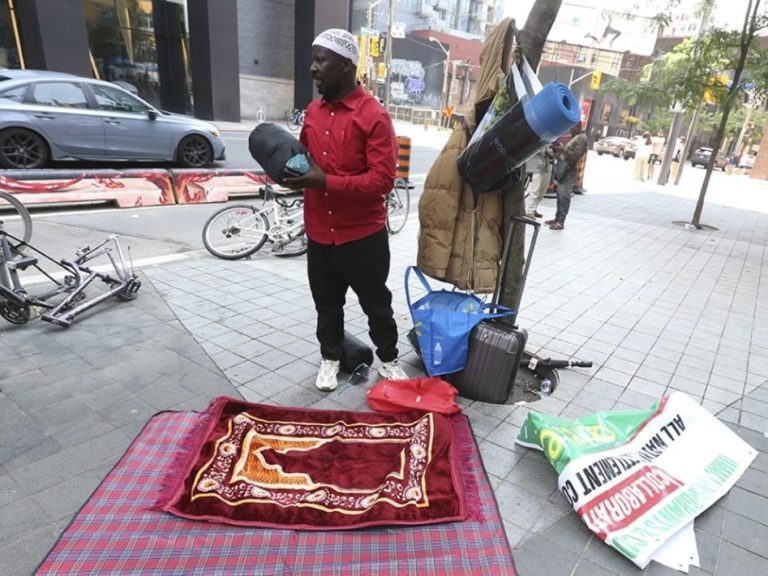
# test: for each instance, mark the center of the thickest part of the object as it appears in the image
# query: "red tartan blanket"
(258, 465)
(121, 531)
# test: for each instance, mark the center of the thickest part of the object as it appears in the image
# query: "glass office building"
(145, 45)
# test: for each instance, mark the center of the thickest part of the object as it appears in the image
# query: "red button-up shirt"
(353, 142)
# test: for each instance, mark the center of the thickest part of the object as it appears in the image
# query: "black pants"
(362, 265)
(564, 191)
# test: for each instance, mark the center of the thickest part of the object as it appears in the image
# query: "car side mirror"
(152, 114)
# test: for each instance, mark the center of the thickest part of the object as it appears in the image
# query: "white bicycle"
(240, 230)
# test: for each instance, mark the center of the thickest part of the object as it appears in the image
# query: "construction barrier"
(403, 157)
(200, 186)
(125, 188)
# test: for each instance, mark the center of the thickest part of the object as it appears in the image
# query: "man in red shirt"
(353, 152)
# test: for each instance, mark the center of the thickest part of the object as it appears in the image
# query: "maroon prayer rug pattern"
(258, 465)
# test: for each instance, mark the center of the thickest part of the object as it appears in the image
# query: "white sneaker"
(392, 371)
(327, 376)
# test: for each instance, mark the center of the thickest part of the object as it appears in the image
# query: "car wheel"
(599, 153)
(195, 152)
(22, 149)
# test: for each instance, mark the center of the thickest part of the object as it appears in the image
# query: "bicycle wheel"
(294, 247)
(15, 219)
(291, 120)
(398, 203)
(235, 232)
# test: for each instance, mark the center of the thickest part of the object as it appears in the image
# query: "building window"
(11, 55)
(145, 44)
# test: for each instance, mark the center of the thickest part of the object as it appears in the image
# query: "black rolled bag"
(272, 147)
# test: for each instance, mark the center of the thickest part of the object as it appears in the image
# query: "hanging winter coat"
(458, 242)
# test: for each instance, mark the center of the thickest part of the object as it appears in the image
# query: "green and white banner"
(638, 478)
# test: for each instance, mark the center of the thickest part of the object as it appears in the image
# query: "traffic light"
(374, 46)
(381, 71)
(594, 83)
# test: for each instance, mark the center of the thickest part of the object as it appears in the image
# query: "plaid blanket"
(120, 531)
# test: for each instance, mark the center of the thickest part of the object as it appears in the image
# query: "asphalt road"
(154, 234)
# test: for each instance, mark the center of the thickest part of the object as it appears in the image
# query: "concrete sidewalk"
(656, 307)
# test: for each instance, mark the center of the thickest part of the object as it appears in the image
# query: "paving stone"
(711, 521)
(539, 556)
(20, 518)
(737, 561)
(501, 461)
(746, 533)
(64, 499)
(754, 422)
(515, 534)
(570, 533)
(19, 432)
(245, 372)
(609, 559)
(587, 568)
(297, 371)
(748, 504)
(755, 406)
(21, 557)
(708, 545)
(274, 359)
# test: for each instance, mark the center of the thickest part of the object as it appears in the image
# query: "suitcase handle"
(505, 258)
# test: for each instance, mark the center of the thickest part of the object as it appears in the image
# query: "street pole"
(703, 23)
(450, 85)
(687, 143)
(740, 139)
(446, 64)
(371, 6)
(388, 55)
(669, 151)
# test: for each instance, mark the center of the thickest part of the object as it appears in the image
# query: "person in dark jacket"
(353, 151)
(569, 156)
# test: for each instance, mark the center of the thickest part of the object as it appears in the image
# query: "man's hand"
(314, 178)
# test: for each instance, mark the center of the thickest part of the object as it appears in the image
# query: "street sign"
(398, 30)
(368, 31)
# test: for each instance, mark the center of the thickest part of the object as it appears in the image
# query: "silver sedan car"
(55, 116)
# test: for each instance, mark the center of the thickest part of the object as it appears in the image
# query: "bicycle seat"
(22, 262)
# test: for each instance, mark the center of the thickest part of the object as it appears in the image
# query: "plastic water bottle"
(545, 388)
(437, 355)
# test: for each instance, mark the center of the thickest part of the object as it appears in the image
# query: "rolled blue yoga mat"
(517, 135)
(552, 111)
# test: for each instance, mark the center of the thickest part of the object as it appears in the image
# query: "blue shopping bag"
(443, 321)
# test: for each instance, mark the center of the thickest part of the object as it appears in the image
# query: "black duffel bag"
(272, 146)
(354, 352)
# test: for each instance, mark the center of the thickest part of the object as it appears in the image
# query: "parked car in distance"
(617, 146)
(55, 116)
(702, 155)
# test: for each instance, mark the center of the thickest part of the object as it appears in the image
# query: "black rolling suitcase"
(496, 346)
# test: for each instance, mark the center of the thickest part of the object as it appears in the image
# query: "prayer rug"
(258, 465)
(121, 529)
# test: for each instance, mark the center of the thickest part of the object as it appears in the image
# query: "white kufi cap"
(339, 41)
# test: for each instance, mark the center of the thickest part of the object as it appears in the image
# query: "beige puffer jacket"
(458, 242)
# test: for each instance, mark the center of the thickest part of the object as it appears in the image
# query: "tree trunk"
(747, 35)
(531, 40)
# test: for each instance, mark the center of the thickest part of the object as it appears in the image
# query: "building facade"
(215, 59)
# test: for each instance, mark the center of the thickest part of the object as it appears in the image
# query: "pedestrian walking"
(353, 151)
(540, 169)
(642, 154)
(657, 148)
(571, 153)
